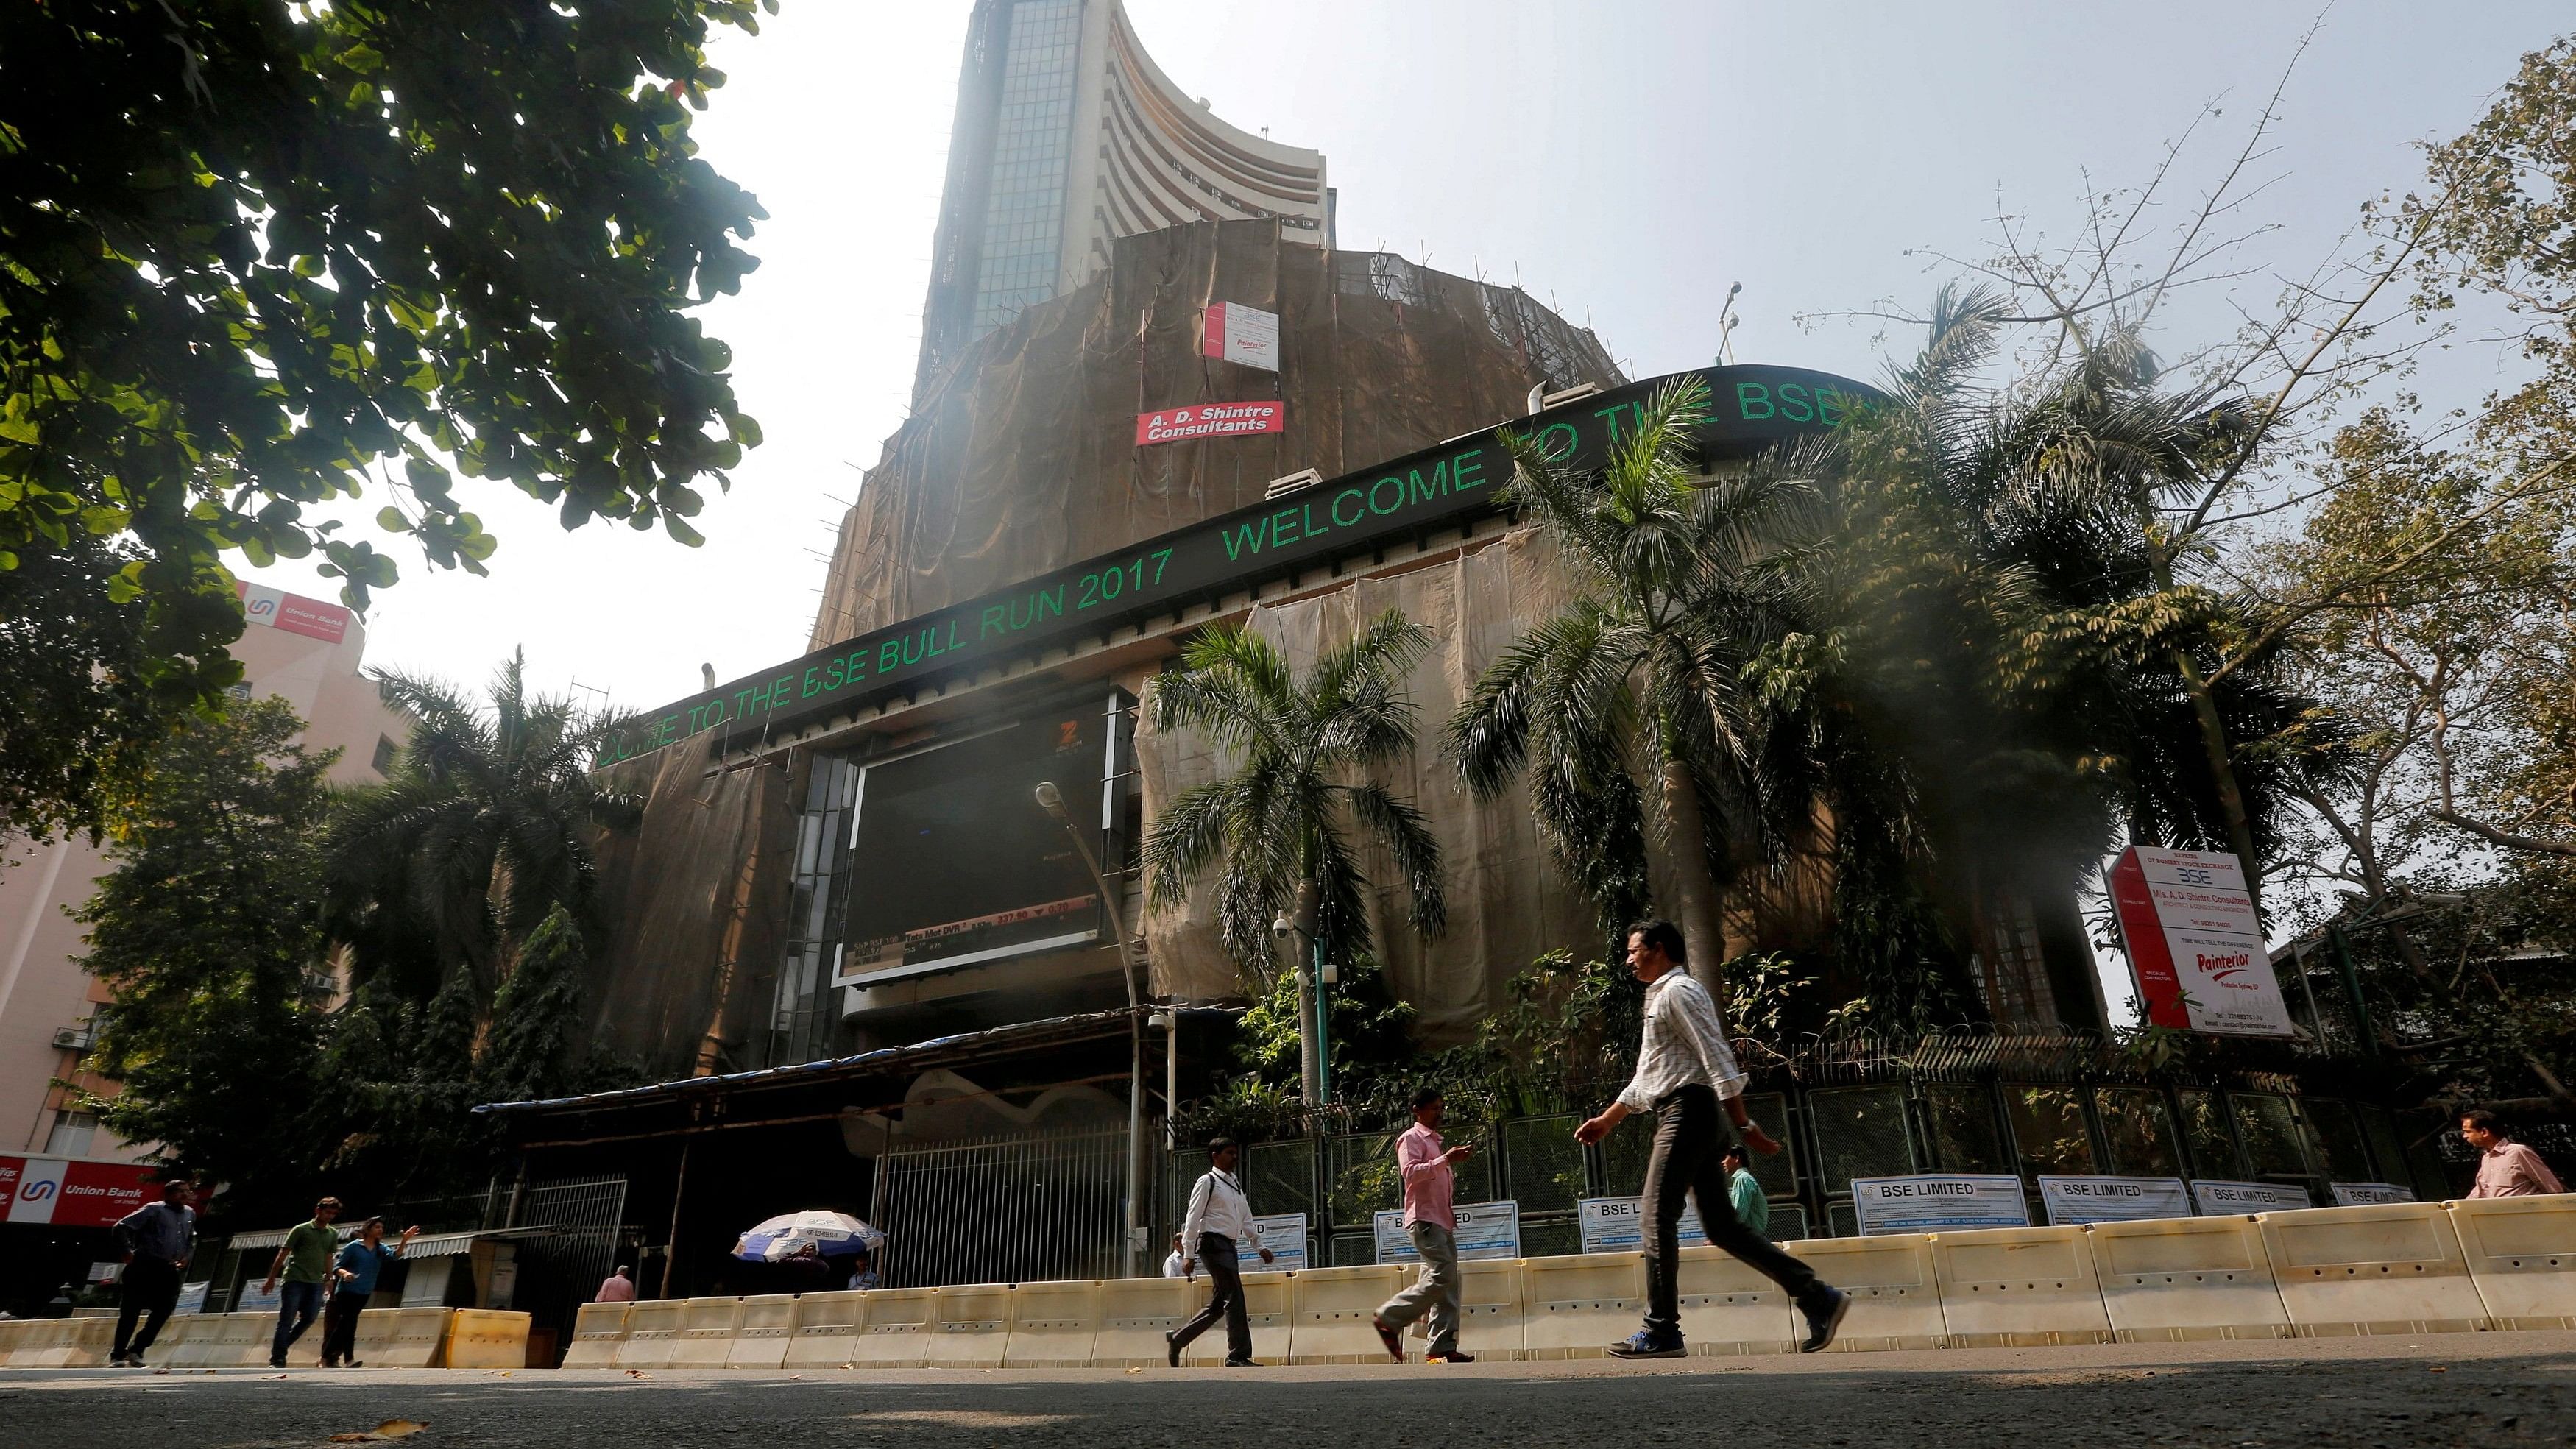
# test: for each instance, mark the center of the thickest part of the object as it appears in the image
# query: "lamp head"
(1050, 799)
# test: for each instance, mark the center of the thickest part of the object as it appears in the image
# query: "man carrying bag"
(1218, 1223)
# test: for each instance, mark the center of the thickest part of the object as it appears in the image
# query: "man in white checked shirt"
(1685, 1074)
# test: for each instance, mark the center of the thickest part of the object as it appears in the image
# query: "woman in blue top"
(353, 1277)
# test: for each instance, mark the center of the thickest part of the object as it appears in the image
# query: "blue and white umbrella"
(834, 1235)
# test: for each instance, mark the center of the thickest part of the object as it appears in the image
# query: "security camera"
(1281, 927)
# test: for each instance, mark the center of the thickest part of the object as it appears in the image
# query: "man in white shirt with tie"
(1685, 1075)
(1219, 1222)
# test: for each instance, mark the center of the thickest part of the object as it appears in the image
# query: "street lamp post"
(1051, 800)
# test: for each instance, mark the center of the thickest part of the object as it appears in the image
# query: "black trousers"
(149, 1291)
(1690, 1148)
(1225, 1279)
(340, 1327)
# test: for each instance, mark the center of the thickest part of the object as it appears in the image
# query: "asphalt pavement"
(2494, 1390)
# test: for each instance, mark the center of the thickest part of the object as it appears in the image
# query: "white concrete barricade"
(2522, 1257)
(652, 1325)
(1053, 1324)
(2019, 1288)
(1896, 1300)
(15, 1337)
(969, 1326)
(891, 1335)
(485, 1338)
(1728, 1309)
(827, 1329)
(768, 1321)
(707, 1329)
(1580, 1304)
(419, 1338)
(597, 1330)
(2377, 1269)
(1135, 1313)
(185, 1341)
(2176, 1279)
(1265, 1303)
(1492, 1312)
(74, 1343)
(243, 1340)
(1329, 1311)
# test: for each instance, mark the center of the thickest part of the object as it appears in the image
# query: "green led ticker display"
(1438, 487)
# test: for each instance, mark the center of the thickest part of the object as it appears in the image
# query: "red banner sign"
(1210, 420)
(293, 613)
(64, 1193)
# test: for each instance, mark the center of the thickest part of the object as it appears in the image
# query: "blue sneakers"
(1645, 1343)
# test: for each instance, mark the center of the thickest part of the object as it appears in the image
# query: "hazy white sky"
(1627, 159)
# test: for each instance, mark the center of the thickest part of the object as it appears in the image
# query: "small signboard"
(1618, 1225)
(1284, 1234)
(192, 1297)
(1933, 1203)
(1485, 1230)
(2216, 1199)
(1242, 334)
(2079, 1200)
(2195, 949)
(2359, 1194)
(1210, 420)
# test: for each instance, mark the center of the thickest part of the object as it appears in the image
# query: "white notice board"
(2217, 1199)
(2079, 1200)
(1284, 1234)
(2358, 1194)
(1618, 1225)
(1485, 1230)
(1935, 1202)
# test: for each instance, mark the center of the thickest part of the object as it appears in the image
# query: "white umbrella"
(833, 1235)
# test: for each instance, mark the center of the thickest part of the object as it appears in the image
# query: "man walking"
(353, 1278)
(1219, 1222)
(1752, 1204)
(1431, 1220)
(1685, 1075)
(617, 1287)
(305, 1258)
(2506, 1168)
(157, 1239)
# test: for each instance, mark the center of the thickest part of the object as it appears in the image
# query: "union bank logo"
(2220, 968)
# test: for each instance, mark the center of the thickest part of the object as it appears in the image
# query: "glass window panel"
(2334, 1135)
(1788, 1223)
(1545, 1163)
(2205, 1136)
(1845, 1221)
(2140, 1131)
(2270, 1133)
(1964, 1136)
(1354, 1250)
(1860, 1132)
(2048, 1130)
(1279, 1177)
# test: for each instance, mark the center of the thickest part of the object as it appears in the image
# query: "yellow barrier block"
(1580, 1304)
(650, 1329)
(827, 1329)
(1728, 1309)
(2383, 1268)
(240, 1340)
(485, 1338)
(597, 1330)
(2522, 1257)
(185, 1341)
(891, 1335)
(2019, 1288)
(705, 1337)
(768, 1322)
(969, 1326)
(1135, 1313)
(15, 1336)
(1329, 1311)
(1053, 1325)
(1265, 1303)
(2176, 1279)
(1896, 1299)
(69, 1343)
(1491, 1309)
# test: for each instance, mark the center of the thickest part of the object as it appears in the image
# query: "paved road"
(2495, 1391)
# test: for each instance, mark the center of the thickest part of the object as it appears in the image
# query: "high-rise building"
(1068, 136)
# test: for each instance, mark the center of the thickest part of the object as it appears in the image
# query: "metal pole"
(1323, 1026)
(1051, 800)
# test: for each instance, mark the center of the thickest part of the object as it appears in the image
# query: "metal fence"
(1019, 1209)
(557, 1273)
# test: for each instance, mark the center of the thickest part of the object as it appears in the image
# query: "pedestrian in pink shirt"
(1431, 1220)
(2506, 1168)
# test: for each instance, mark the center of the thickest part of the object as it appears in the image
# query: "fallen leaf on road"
(389, 1429)
(637, 1374)
(2439, 1368)
(1135, 1370)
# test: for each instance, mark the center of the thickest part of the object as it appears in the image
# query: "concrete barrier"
(477, 1338)
(1579, 1305)
(1265, 1303)
(243, 1340)
(969, 1326)
(69, 1343)
(1728, 1309)
(2019, 1288)
(706, 1333)
(891, 1332)
(597, 1330)
(1493, 1312)
(1329, 1310)
(2522, 1257)
(827, 1329)
(1896, 1299)
(768, 1322)
(185, 1341)
(1135, 1313)
(2177, 1279)
(651, 1327)
(14, 1337)
(2384, 1268)
(401, 1337)
(1053, 1325)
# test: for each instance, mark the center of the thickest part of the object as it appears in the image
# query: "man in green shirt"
(305, 1257)
(1752, 1204)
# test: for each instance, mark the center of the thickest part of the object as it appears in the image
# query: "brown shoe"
(1393, 1338)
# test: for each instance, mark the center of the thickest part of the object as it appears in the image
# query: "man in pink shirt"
(617, 1287)
(1431, 1220)
(2506, 1168)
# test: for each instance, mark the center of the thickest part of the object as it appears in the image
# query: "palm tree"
(1304, 748)
(484, 828)
(1636, 688)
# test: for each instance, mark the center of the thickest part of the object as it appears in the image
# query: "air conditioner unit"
(1280, 487)
(73, 1038)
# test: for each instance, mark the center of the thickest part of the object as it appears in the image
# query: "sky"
(1626, 160)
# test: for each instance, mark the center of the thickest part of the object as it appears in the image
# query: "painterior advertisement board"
(2216, 1199)
(1618, 1225)
(1242, 334)
(2196, 950)
(1931, 1203)
(1485, 1230)
(2074, 1201)
(1284, 1234)
(2362, 1194)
